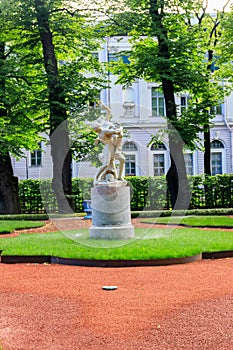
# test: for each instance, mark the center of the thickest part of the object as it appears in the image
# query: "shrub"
(148, 193)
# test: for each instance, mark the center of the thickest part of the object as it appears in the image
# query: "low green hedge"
(147, 193)
(134, 214)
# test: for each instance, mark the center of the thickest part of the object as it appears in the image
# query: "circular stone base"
(112, 232)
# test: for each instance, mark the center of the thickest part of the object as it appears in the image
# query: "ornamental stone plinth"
(111, 218)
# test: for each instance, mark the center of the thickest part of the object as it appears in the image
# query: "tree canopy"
(49, 75)
(173, 44)
(182, 58)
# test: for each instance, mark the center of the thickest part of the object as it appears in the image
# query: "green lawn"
(150, 244)
(201, 221)
(7, 226)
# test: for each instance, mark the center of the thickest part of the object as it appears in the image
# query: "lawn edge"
(42, 259)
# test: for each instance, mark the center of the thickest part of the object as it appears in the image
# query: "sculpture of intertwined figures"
(110, 134)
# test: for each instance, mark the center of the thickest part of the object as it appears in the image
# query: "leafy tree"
(19, 126)
(57, 43)
(169, 47)
(213, 91)
(224, 51)
(163, 56)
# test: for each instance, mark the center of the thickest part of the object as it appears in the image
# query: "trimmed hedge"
(212, 191)
(147, 193)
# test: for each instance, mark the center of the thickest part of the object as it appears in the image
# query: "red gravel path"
(54, 307)
(64, 307)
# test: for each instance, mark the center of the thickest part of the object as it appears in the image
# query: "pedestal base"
(111, 217)
(112, 232)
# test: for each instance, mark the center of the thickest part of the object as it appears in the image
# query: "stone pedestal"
(111, 218)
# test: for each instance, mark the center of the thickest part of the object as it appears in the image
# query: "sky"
(213, 5)
(218, 4)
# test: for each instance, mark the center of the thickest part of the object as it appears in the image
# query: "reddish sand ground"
(54, 307)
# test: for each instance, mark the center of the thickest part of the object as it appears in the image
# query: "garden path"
(55, 307)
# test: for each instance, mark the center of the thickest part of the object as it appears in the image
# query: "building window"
(36, 156)
(183, 103)
(113, 57)
(130, 146)
(158, 102)
(130, 150)
(188, 158)
(158, 164)
(217, 144)
(216, 110)
(159, 151)
(158, 147)
(217, 149)
(216, 163)
(130, 165)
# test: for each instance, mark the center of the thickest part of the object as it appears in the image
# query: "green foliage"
(212, 191)
(20, 120)
(82, 136)
(178, 42)
(25, 90)
(148, 194)
(32, 201)
(28, 217)
(225, 51)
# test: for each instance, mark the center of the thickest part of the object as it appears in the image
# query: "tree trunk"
(207, 151)
(62, 160)
(176, 177)
(61, 155)
(9, 198)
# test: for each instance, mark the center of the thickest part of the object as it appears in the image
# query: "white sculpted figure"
(110, 134)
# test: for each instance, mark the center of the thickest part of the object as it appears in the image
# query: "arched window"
(158, 146)
(130, 151)
(159, 161)
(216, 144)
(129, 146)
(217, 149)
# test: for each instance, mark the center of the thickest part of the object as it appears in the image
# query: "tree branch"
(224, 7)
(72, 13)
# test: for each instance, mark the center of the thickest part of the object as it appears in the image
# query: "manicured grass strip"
(8, 226)
(151, 244)
(201, 221)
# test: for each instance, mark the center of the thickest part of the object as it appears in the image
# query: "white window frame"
(165, 153)
(135, 153)
(154, 88)
(215, 109)
(183, 107)
(222, 151)
(193, 168)
(36, 152)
